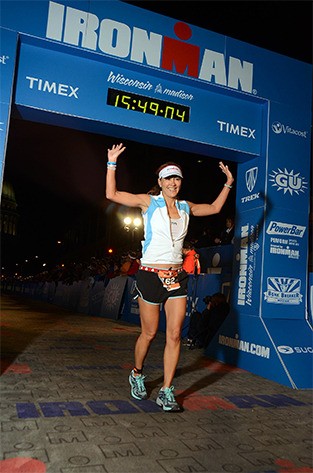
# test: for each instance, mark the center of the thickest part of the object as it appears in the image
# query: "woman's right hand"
(115, 151)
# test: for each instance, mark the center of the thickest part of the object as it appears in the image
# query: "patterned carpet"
(66, 405)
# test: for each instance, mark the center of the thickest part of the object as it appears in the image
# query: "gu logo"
(251, 178)
(288, 181)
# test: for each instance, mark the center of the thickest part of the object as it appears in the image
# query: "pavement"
(66, 405)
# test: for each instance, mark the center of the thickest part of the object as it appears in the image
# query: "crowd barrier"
(114, 299)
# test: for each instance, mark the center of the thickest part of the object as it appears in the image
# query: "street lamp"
(132, 224)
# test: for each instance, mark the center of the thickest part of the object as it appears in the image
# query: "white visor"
(170, 170)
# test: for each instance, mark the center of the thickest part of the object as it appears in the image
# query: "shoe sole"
(160, 404)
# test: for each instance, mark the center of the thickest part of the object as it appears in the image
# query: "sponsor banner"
(112, 298)
(288, 184)
(288, 172)
(130, 307)
(154, 41)
(8, 45)
(84, 295)
(250, 189)
(68, 296)
(96, 297)
(57, 82)
(277, 350)
(248, 261)
(285, 257)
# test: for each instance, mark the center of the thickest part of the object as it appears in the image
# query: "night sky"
(59, 173)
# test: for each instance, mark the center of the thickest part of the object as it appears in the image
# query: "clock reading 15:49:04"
(150, 105)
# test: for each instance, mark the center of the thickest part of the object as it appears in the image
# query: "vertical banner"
(8, 47)
(248, 261)
(286, 226)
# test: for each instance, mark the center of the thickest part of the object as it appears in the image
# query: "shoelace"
(169, 394)
(140, 383)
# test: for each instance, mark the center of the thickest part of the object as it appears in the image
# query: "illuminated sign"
(152, 106)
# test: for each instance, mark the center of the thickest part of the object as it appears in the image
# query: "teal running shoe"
(167, 401)
(137, 384)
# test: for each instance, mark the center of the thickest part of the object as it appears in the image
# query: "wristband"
(227, 185)
(112, 163)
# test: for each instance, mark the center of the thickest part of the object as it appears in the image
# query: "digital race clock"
(150, 105)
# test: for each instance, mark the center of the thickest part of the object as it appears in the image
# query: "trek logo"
(84, 29)
(52, 87)
(288, 181)
(235, 129)
(279, 128)
(251, 178)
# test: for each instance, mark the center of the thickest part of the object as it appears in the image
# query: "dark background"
(58, 174)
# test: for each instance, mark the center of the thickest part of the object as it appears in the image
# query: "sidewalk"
(66, 405)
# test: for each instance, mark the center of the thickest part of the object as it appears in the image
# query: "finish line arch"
(99, 68)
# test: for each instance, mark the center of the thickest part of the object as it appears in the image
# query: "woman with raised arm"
(161, 278)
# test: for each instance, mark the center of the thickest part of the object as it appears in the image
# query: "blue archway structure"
(115, 69)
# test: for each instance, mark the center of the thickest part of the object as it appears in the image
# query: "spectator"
(205, 240)
(204, 325)
(227, 234)
(191, 263)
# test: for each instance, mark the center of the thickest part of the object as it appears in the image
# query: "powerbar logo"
(80, 28)
(279, 128)
(248, 347)
(279, 228)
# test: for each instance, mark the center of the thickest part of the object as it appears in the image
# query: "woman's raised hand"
(226, 171)
(115, 151)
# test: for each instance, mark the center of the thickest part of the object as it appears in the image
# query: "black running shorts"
(149, 287)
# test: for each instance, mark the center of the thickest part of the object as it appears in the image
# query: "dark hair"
(155, 190)
(207, 300)
(188, 245)
(216, 299)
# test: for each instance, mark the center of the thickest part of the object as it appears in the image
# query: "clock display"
(150, 105)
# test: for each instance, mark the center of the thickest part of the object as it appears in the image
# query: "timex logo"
(236, 129)
(56, 88)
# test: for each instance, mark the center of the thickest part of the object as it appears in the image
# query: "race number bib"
(169, 279)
